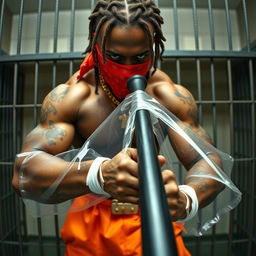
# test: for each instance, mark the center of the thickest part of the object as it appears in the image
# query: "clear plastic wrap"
(112, 136)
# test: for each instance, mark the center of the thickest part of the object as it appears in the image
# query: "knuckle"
(124, 163)
(176, 189)
(119, 190)
(168, 175)
(173, 212)
(120, 178)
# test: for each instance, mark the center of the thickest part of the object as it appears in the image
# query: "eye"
(113, 56)
(142, 56)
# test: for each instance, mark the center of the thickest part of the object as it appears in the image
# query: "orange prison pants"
(97, 232)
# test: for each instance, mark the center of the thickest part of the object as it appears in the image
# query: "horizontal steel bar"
(167, 54)
(6, 163)
(62, 244)
(21, 106)
(234, 241)
(208, 54)
(244, 159)
(30, 243)
(41, 57)
(197, 101)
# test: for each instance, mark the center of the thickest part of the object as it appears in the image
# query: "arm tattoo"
(185, 99)
(58, 96)
(52, 134)
(192, 112)
(47, 109)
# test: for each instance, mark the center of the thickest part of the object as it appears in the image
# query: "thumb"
(161, 159)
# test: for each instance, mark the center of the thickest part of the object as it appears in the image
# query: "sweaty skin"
(72, 111)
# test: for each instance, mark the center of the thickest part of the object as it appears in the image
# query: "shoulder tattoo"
(58, 94)
(47, 108)
(186, 99)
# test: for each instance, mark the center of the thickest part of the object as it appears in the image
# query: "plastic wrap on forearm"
(116, 133)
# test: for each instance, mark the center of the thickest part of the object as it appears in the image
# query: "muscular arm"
(179, 100)
(53, 135)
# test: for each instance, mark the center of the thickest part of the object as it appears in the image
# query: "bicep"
(53, 138)
(55, 131)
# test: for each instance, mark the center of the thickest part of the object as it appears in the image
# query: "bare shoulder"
(63, 102)
(174, 97)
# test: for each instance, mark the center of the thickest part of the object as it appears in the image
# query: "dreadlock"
(125, 12)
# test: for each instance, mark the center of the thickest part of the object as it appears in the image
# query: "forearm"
(206, 188)
(41, 171)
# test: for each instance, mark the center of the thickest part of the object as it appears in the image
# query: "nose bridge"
(128, 60)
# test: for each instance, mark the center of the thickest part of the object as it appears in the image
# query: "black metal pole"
(157, 232)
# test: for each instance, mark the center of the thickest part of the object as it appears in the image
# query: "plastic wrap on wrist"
(116, 133)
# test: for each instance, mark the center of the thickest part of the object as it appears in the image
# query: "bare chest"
(91, 114)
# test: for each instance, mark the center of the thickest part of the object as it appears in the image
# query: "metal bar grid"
(179, 55)
(167, 54)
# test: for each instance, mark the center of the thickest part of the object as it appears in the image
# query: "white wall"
(186, 31)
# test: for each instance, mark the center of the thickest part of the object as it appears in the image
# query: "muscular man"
(124, 35)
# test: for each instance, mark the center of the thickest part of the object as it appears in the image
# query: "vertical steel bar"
(56, 26)
(92, 4)
(199, 89)
(232, 144)
(247, 32)
(57, 237)
(16, 67)
(251, 205)
(211, 25)
(229, 30)
(214, 131)
(176, 25)
(195, 24)
(200, 117)
(72, 29)
(56, 221)
(213, 86)
(36, 92)
(20, 26)
(38, 28)
(176, 37)
(14, 137)
(54, 71)
(2, 157)
(40, 237)
(39, 221)
(1, 23)
(72, 35)
(72, 26)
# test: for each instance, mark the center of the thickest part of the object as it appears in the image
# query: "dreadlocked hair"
(125, 12)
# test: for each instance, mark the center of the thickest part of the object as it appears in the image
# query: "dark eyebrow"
(116, 53)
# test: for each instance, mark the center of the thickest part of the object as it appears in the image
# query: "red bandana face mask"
(116, 75)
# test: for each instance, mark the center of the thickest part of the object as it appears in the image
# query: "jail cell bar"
(239, 69)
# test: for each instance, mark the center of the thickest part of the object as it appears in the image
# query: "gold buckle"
(119, 208)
